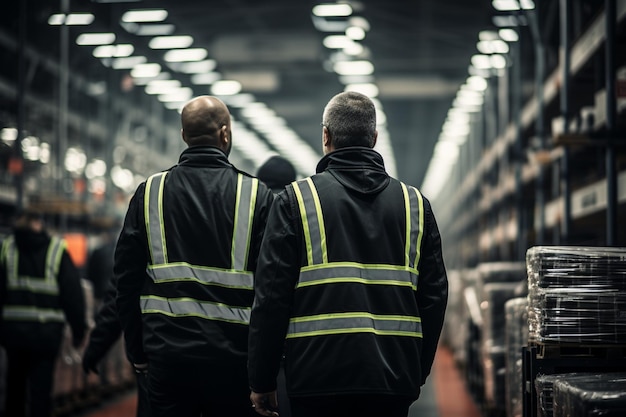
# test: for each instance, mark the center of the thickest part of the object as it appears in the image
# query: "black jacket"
(32, 248)
(105, 333)
(199, 198)
(364, 220)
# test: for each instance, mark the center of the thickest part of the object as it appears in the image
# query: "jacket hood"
(29, 240)
(359, 169)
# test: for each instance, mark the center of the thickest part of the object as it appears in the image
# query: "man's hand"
(265, 404)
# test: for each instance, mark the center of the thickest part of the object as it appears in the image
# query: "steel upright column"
(611, 170)
(565, 114)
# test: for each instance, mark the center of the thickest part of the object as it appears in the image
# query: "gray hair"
(350, 118)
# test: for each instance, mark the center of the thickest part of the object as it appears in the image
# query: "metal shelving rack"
(517, 193)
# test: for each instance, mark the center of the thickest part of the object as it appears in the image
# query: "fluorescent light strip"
(332, 10)
(142, 16)
(95, 39)
(185, 55)
(170, 42)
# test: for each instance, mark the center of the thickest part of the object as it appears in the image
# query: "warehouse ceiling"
(420, 51)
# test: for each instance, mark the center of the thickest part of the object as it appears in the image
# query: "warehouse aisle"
(444, 395)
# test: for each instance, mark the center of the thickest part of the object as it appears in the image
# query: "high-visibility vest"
(44, 290)
(162, 271)
(319, 271)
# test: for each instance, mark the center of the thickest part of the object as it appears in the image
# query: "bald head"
(205, 120)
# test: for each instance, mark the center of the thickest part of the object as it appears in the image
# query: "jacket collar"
(358, 168)
(204, 155)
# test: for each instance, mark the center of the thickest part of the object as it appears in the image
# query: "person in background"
(40, 291)
(184, 266)
(276, 173)
(351, 279)
(100, 266)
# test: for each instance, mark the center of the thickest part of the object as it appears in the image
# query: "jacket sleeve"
(129, 273)
(275, 278)
(107, 329)
(72, 298)
(432, 291)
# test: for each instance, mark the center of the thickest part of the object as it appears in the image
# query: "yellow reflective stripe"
(190, 307)
(373, 274)
(354, 322)
(153, 217)
(163, 241)
(407, 232)
(183, 271)
(34, 285)
(244, 213)
(42, 285)
(53, 259)
(305, 223)
(30, 313)
(421, 226)
(320, 220)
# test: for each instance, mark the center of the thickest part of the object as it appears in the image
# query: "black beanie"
(276, 172)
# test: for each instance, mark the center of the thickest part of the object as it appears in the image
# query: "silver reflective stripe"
(188, 307)
(415, 223)
(153, 213)
(30, 313)
(312, 221)
(354, 272)
(180, 271)
(355, 322)
(244, 212)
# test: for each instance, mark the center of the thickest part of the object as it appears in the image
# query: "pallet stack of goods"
(576, 320)
(516, 336)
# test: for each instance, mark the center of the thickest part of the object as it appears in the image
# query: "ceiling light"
(334, 10)
(509, 35)
(476, 83)
(175, 105)
(198, 67)
(73, 19)
(487, 35)
(481, 61)
(359, 22)
(136, 16)
(226, 88)
(182, 94)
(128, 62)
(146, 80)
(170, 42)
(353, 49)
(355, 33)
(497, 61)
(145, 70)
(156, 87)
(155, 30)
(324, 25)
(353, 68)
(368, 89)
(113, 51)
(505, 5)
(240, 100)
(79, 19)
(95, 38)
(207, 78)
(184, 55)
(337, 41)
(8, 134)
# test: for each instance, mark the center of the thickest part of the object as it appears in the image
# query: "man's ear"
(326, 140)
(374, 139)
(224, 138)
(182, 135)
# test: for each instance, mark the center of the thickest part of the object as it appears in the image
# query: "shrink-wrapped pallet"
(576, 294)
(596, 395)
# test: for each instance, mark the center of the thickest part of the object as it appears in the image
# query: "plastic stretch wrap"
(516, 336)
(495, 296)
(577, 294)
(593, 395)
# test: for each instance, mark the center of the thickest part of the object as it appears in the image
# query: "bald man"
(184, 266)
